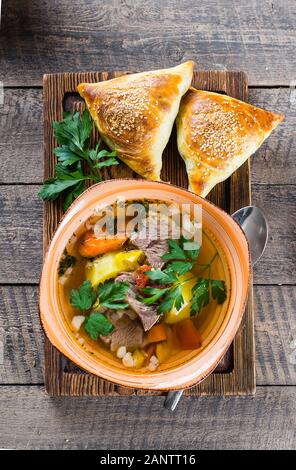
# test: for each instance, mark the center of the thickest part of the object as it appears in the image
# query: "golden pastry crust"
(217, 134)
(135, 113)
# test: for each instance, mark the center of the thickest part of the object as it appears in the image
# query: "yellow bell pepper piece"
(112, 264)
(174, 315)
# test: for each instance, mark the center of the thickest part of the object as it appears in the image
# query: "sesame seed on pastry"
(216, 134)
(135, 113)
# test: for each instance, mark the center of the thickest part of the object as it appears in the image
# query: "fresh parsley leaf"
(179, 257)
(163, 277)
(96, 155)
(108, 162)
(66, 156)
(180, 267)
(154, 293)
(153, 290)
(175, 252)
(68, 130)
(64, 173)
(97, 324)
(178, 250)
(84, 297)
(173, 298)
(200, 296)
(73, 137)
(191, 249)
(73, 193)
(113, 294)
(218, 289)
(181, 261)
(70, 182)
(53, 187)
(85, 127)
(66, 262)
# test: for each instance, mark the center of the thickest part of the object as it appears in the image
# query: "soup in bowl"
(144, 284)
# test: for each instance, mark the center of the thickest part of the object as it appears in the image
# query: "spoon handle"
(172, 399)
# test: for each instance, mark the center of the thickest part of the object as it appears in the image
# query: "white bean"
(154, 359)
(153, 363)
(77, 321)
(128, 360)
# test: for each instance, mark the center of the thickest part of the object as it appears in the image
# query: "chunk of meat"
(147, 313)
(126, 277)
(153, 249)
(150, 241)
(127, 332)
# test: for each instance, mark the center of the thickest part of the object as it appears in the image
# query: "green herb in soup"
(67, 261)
(97, 324)
(143, 299)
(84, 297)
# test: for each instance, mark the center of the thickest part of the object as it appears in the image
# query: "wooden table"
(66, 35)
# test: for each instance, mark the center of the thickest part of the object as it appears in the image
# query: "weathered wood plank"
(275, 334)
(21, 142)
(21, 136)
(30, 419)
(55, 36)
(277, 265)
(21, 234)
(21, 337)
(275, 161)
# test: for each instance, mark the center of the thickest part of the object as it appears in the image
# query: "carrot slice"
(157, 333)
(91, 246)
(187, 334)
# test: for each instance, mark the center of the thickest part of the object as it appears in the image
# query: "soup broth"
(164, 316)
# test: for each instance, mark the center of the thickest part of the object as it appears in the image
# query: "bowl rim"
(165, 380)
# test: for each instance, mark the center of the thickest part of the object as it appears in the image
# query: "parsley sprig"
(73, 137)
(204, 290)
(97, 324)
(111, 295)
(84, 297)
(181, 257)
(183, 250)
(67, 261)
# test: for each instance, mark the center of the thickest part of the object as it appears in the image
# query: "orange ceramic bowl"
(187, 368)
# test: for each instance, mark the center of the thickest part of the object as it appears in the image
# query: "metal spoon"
(254, 224)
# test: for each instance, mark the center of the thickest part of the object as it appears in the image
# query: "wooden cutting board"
(235, 374)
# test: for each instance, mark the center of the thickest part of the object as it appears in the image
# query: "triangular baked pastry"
(135, 113)
(217, 134)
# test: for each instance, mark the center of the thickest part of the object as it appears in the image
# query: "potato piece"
(163, 351)
(128, 260)
(139, 358)
(174, 315)
(112, 264)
